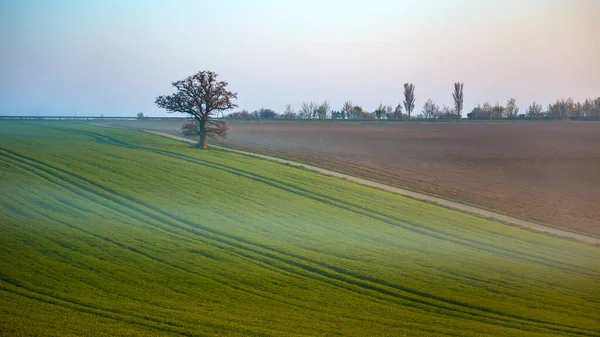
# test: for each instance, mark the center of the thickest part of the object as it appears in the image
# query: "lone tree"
(458, 98)
(202, 97)
(409, 97)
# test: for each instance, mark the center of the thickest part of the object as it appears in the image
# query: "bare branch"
(203, 97)
(217, 129)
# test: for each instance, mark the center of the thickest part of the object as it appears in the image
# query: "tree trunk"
(202, 144)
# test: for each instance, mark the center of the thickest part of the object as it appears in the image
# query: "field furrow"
(332, 274)
(139, 229)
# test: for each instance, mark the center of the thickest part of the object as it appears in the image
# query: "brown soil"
(548, 172)
(545, 171)
(416, 195)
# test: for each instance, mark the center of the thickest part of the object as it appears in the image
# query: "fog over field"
(113, 57)
(519, 168)
(300, 168)
(110, 232)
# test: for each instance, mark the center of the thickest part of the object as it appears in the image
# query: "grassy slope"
(106, 231)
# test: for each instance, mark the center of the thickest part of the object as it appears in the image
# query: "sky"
(113, 57)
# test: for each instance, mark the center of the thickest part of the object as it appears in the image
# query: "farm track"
(170, 238)
(420, 196)
(362, 210)
(540, 172)
(355, 208)
(285, 261)
(291, 263)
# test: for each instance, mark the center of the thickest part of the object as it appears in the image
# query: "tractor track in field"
(348, 206)
(416, 195)
(290, 262)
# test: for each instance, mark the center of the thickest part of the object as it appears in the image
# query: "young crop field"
(105, 231)
(545, 171)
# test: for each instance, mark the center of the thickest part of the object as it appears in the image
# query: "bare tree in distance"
(322, 110)
(347, 109)
(203, 97)
(534, 111)
(445, 112)
(458, 98)
(497, 111)
(511, 110)
(308, 109)
(304, 111)
(590, 107)
(409, 97)
(289, 112)
(430, 109)
(561, 109)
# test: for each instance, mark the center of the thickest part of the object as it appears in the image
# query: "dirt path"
(412, 194)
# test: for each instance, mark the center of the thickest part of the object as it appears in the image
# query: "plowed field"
(111, 232)
(544, 171)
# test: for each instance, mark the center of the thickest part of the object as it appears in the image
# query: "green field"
(114, 232)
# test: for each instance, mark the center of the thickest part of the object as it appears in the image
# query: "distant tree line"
(323, 110)
(561, 109)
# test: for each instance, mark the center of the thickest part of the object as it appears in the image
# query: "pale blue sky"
(115, 57)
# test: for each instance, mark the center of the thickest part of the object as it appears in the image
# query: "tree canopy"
(203, 97)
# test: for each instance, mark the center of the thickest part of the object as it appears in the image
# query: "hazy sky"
(114, 57)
